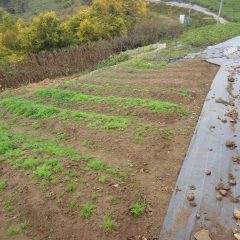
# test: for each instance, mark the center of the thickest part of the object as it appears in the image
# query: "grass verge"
(71, 96)
(33, 110)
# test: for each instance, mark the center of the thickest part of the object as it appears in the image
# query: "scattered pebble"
(236, 159)
(237, 236)
(231, 79)
(193, 204)
(192, 187)
(202, 235)
(219, 197)
(224, 120)
(236, 213)
(223, 192)
(198, 216)
(233, 199)
(190, 196)
(231, 144)
(219, 186)
(208, 172)
(232, 180)
(226, 187)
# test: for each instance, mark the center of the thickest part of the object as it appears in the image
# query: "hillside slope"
(98, 156)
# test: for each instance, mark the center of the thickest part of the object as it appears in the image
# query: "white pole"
(219, 12)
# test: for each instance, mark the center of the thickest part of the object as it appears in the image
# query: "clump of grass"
(44, 186)
(92, 144)
(71, 187)
(73, 205)
(112, 170)
(30, 163)
(138, 209)
(44, 171)
(87, 210)
(24, 225)
(72, 173)
(139, 135)
(96, 165)
(94, 196)
(13, 230)
(102, 179)
(112, 199)
(108, 223)
(36, 126)
(3, 185)
(8, 205)
(142, 64)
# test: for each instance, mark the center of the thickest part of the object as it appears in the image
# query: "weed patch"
(3, 185)
(108, 223)
(66, 95)
(33, 110)
(87, 210)
(13, 230)
(96, 165)
(138, 209)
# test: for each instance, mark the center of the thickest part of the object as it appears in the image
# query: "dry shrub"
(63, 62)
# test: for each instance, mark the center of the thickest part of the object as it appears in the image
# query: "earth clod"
(202, 235)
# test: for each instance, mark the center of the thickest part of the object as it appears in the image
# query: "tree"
(45, 33)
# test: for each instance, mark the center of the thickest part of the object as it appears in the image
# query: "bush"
(213, 34)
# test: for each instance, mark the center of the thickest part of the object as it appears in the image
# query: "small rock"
(231, 144)
(236, 159)
(236, 213)
(219, 197)
(233, 199)
(224, 120)
(219, 186)
(223, 192)
(116, 185)
(208, 172)
(202, 235)
(192, 187)
(226, 187)
(193, 204)
(237, 236)
(190, 196)
(198, 216)
(231, 79)
(232, 182)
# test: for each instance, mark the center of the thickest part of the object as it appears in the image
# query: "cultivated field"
(97, 157)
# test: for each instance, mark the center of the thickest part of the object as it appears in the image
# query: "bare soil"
(151, 166)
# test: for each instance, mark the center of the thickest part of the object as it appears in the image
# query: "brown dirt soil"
(151, 166)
